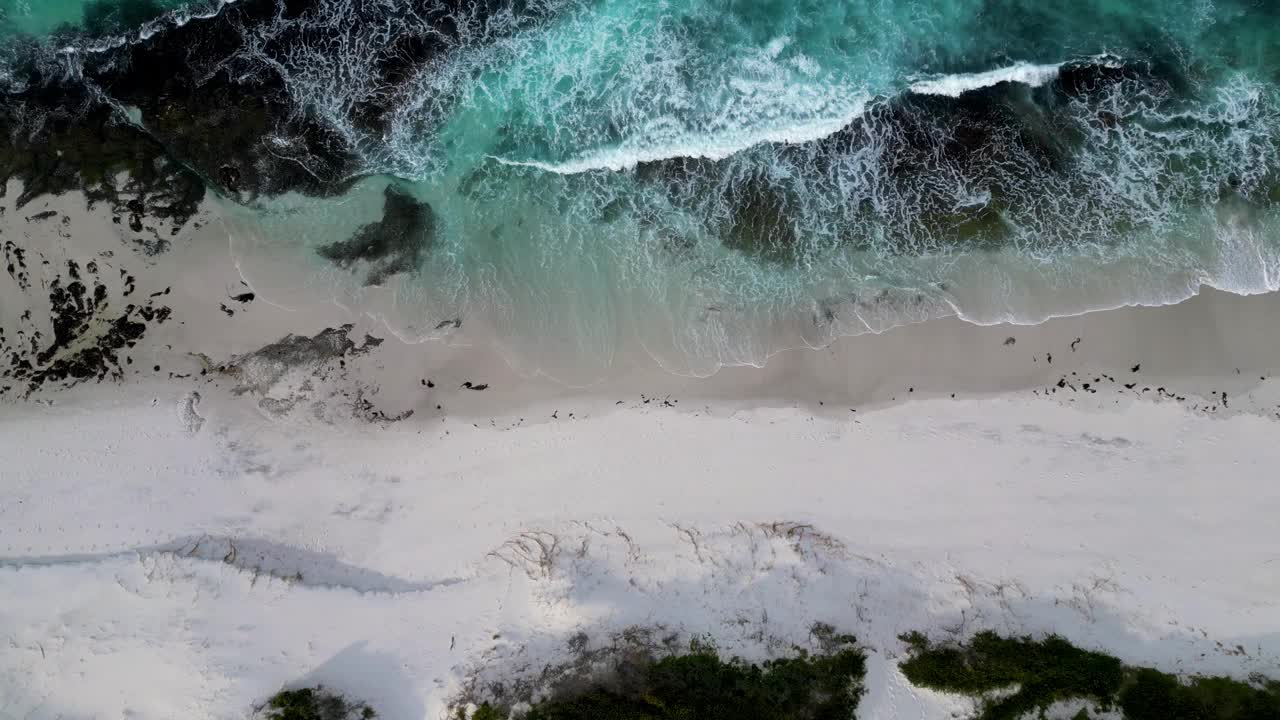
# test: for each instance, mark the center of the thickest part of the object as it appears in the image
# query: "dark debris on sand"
(89, 333)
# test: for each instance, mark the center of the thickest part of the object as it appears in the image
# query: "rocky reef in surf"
(174, 100)
(171, 112)
(61, 136)
(985, 168)
(262, 97)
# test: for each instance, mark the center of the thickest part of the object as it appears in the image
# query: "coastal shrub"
(1044, 671)
(1018, 677)
(699, 685)
(488, 712)
(314, 704)
(1153, 695)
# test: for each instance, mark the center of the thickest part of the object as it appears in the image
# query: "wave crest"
(956, 85)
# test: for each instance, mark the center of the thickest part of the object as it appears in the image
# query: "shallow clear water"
(715, 181)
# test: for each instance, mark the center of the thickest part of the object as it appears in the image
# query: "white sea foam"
(711, 146)
(957, 85)
(174, 17)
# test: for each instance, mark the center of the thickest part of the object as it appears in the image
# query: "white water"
(668, 140)
(956, 85)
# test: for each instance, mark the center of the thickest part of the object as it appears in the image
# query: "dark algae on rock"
(205, 98)
(1019, 677)
(56, 139)
(204, 118)
(262, 368)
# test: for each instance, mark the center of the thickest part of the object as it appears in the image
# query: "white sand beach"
(183, 542)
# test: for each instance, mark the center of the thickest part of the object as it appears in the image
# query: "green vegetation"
(1044, 671)
(1037, 673)
(1153, 695)
(315, 704)
(488, 712)
(701, 686)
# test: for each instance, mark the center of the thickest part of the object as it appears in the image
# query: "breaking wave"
(670, 140)
(957, 85)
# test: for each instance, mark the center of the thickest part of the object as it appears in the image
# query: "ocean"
(707, 181)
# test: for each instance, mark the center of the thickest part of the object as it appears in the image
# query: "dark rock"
(214, 96)
(370, 342)
(259, 370)
(60, 137)
(153, 247)
(760, 225)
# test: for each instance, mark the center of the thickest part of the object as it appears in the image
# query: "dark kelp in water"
(395, 244)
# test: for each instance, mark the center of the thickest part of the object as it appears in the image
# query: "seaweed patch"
(393, 245)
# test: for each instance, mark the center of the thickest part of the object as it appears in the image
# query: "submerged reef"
(395, 244)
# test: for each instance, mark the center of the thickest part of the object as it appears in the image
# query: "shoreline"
(250, 519)
(859, 370)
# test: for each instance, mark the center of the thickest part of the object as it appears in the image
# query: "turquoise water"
(713, 181)
(40, 17)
